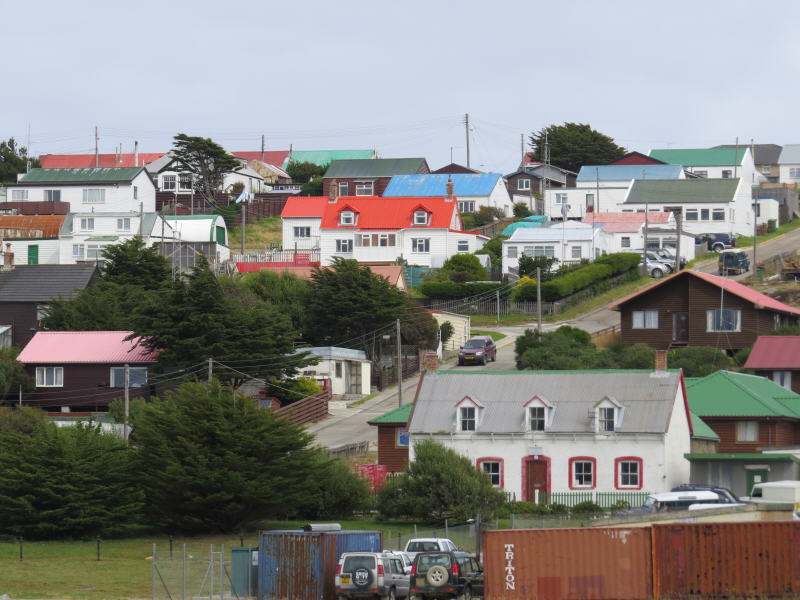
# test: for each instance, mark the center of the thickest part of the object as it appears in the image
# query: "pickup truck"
(416, 545)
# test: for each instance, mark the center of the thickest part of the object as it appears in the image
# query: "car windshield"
(427, 561)
(422, 547)
(351, 563)
(475, 344)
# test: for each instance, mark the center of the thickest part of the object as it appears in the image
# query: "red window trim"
(617, 461)
(571, 479)
(525, 461)
(497, 459)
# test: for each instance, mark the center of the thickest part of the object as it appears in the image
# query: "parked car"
(655, 257)
(446, 575)
(404, 556)
(682, 500)
(776, 492)
(715, 242)
(656, 269)
(723, 492)
(416, 545)
(733, 262)
(371, 575)
(667, 255)
(479, 349)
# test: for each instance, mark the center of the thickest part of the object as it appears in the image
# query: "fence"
(191, 571)
(384, 369)
(603, 499)
(312, 408)
(293, 257)
(463, 535)
(350, 450)
(489, 307)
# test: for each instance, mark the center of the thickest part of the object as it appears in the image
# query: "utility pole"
(210, 369)
(539, 300)
(262, 147)
(399, 367)
(244, 223)
(755, 208)
(497, 302)
(678, 220)
(597, 192)
(522, 149)
(127, 396)
(141, 217)
(20, 396)
(646, 231)
(466, 132)
(736, 158)
(96, 148)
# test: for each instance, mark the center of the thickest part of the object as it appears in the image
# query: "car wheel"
(718, 247)
(494, 357)
(437, 576)
(656, 273)
(460, 362)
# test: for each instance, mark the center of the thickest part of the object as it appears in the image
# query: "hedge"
(451, 290)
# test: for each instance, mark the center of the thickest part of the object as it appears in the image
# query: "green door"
(755, 476)
(221, 236)
(33, 254)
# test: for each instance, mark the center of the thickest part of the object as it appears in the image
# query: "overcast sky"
(399, 76)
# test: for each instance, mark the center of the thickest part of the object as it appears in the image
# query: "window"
(52, 195)
(581, 472)
(382, 240)
(463, 246)
(511, 252)
(727, 173)
(94, 251)
(364, 188)
(135, 193)
(466, 206)
(548, 251)
(124, 224)
(701, 173)
(523, 183)
(344, 246)
(576, 252)
(794, 172)
(493, 470)
(628, 472)
(168, 182)
(766, 169)
(137, 377)
(606, 418)
(644, 319)
(302, 232)
(704, 212)
(725, 319)
(338, 369)
(401, 438)
(420, 217)
(185, 181)
(589, 199)
(783, 378)
(5, 336)
(347, 217)
(625, 242)
(561, 198)
(420, 245)
(343, 188)
(747, 431)
(467, 418)
(718, 214)
(19, 195)
(49, 376)
(94, 196)
(78, 251)
(87, 223)
(536, 418)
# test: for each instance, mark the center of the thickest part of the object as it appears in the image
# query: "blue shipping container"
(298, 565)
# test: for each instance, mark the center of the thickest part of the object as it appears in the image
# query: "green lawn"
(510, 320)
(259, 235)
(495, 335)
(600, 300)
(747, 240)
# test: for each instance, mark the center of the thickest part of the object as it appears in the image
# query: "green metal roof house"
(368, 177)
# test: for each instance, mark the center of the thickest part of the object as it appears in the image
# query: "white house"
(473, 190)
(577, 202)
(347, 371)
(573, 431)
(168, 177)
(604, 176)
(300, 222)
(789, 164)
(569, 242)
(111, 189)
(713, 163)
(32, 239)
(626, 231)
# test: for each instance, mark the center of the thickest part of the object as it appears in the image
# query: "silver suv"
(371, 575)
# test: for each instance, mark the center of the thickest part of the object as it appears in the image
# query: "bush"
(289, 391)
(462, 267)
(699, 361)
(487, 214)
(446, 331)
(620, 262)
(560, 287)
(587, 508)
(558, 509)
(525, 290)
(450, 290)
(620, 505)
(521, 210)
(522, 508)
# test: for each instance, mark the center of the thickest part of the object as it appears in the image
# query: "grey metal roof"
(42, 283)
(790, 155)
(647, 398)
(763, 154)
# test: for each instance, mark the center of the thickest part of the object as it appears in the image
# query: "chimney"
(661, 360)
(8, 258)
(135, 154)
(333, 191)
(430, 362)
(450, 188)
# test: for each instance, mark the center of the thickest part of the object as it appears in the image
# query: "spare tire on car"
(437, 576)
(362, 578)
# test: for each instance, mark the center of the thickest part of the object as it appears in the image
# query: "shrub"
(521, 210)
(558, 509)
(525, 290)
(522, 508)
(446, 331)
(449, 290)
(620, 505)
(620, 262)
(587, 508)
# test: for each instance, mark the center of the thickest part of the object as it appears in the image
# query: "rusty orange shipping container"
(726, 559)
(568, 564)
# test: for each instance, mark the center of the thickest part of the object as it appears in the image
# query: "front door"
(33, 254)
(680, 327)
(755, 476)
(536, 480)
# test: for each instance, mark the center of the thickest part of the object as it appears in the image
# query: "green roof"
(760, 457)
(375, 167)
(326, 157)
(701, 157)
(396, 415)
(102, 175)
(701, 430)
(681, 191)
(727, 394)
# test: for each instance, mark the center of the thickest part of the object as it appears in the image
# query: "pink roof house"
(85, 370)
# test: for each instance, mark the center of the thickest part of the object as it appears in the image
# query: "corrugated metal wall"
(296, 565)
(567, 564)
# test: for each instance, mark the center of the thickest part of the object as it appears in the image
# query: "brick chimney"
(8, 258)
(661, 360)
(430, 362)
(450, 189)
(333, 191)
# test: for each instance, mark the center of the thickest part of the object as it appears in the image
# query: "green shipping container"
(244, 572)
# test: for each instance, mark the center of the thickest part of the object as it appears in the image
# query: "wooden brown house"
(393, 438)
(692, 308)
(777, 357)
(368, 176)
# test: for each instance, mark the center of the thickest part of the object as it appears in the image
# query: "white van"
(776, 492)
(672, 501)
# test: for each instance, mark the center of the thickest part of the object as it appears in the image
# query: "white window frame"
(87, 223)
(95, 251)
(494, 470)
(644, 319)
(727, 173)
(537, 414)
(365, 188)
(344, 246)
(523, 184)
(78, 251)
(511, 251)
(718, 214)
(714, 317)
(607, 419)
(185, 182)
(51, 195)
(19, 195)
(137, 377)
(123, 224)
(421, 245)
(420, 217)
(794, 172)
(546, 251)
(705, 214)
(462, 246)
(589, 199)
(302, 232)
(766, 169)
(55, 374)
(701, 173)
(169, 183)
(625, 242)
(577, 252)
(630, 474)
(746, 432)
(344, 188)
(347, 218)
(135, 192)
(467, 418)
(561, 198)
(94, 196)
(466, 206)
(576, 483)
(692, 215)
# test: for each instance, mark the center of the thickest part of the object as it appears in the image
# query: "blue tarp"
(519, 225)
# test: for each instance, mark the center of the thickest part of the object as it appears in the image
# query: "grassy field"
(505, 320)
(495, 335)
(600, 300)
(747, 240)
(258, 236)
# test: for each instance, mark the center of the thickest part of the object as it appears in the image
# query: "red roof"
(271, 157)
(304, 206)
(624, 217)
(621, 227)
(391, 272)
(775, 352)
(87, 161)
(48, 226)
(760, 300)
(376, 212)
(69, 347)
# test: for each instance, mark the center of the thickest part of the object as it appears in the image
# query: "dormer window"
(347, 217)
(538, 414)
(607, 418)
(536, 418)
(467, 417)
(420, 217)
(607, 415)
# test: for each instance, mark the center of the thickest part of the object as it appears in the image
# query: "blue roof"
(435, 184)
(628, 172)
